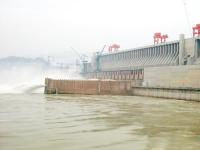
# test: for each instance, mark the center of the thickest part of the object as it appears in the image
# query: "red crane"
(164, 37)
(114, 46)
(196, 30)
(159, 38)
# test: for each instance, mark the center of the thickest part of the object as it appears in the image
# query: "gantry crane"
(98, 55)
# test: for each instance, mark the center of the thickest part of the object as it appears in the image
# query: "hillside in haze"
(19, 61)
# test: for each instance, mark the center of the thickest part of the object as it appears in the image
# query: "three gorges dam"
(164, 69)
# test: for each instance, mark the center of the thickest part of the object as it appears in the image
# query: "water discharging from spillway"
(30, 78)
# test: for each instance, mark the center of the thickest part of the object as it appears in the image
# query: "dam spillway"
(130, 64)
(143, 57)
(167, 70)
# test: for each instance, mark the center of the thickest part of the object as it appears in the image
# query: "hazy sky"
(47, 27)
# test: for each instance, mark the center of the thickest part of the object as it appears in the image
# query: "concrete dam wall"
(175, 82)
(173, 76)
(130, 63)
(159, 55)
(192, 94)
(168, 70)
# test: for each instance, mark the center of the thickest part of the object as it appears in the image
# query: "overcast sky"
(48, 27)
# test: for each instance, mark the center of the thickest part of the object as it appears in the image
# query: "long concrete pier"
(108, 87)
(122, 87)
(192, 94)
(93, 87)
(175, 82)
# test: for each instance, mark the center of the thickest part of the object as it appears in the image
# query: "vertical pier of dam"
(181, 49)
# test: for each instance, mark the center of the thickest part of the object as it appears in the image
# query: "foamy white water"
(23, 78)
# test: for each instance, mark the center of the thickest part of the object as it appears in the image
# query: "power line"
(187, 17)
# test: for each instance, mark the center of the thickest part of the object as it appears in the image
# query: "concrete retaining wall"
(172, 93)
(89, 87)
(173, 76)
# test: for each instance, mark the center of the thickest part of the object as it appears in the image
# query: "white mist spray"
(28, 78)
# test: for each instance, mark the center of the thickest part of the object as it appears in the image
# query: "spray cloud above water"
(19, 75)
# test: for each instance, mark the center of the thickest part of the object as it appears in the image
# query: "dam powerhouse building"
(165, 69)
(131, 64)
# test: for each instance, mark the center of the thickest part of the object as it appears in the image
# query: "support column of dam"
(181, 49)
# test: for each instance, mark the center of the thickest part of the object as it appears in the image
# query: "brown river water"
(81, 122)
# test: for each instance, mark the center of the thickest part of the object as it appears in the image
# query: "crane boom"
(98, 59)
(81, 57)
(102, 50)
